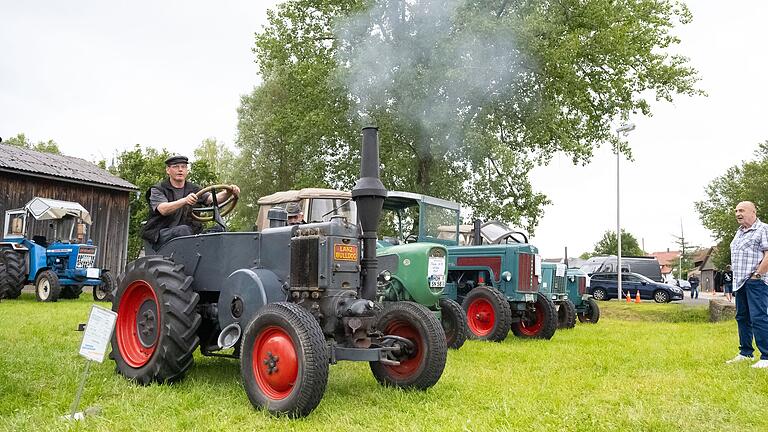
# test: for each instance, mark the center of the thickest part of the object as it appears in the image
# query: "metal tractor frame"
(60, 268)
(492, 270)
(289, 300)
(577, 283)
(553, 285)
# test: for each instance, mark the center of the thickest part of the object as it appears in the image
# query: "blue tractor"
(59, 268)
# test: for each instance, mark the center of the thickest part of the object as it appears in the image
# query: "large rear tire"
(284, 360)
(422, 362)
(566, 315)
(105, 291)
(47, 288)
(591, 313)
(454, 322)
(539, 321)
(157, 321)
(488, 314)
(13, 273)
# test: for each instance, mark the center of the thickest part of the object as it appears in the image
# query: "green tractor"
(492, 270)
(553, 285)
(577, 283)
(409, 272)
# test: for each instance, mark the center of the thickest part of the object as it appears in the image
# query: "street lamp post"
(625, 128)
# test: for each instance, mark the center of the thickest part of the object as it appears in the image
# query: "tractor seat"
(40, 240)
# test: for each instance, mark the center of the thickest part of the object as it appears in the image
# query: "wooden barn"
(25, 174)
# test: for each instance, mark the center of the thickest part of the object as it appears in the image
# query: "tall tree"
(21, 140)
(608, 245)
(469, 95)
(219, 158)
(745, 182)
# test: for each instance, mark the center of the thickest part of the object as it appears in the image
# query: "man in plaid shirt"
(750, 264)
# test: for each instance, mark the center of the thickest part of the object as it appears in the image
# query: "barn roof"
(67, 168)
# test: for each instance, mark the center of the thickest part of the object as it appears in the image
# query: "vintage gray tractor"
(289, 299)
(415, 272)
(553, 285)
(59, 267)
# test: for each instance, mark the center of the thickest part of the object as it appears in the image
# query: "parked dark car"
(603, 286)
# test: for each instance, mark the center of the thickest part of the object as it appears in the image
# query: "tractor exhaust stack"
(369, 194)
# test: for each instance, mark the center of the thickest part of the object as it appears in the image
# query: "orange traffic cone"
(629, 299)
(637, 297)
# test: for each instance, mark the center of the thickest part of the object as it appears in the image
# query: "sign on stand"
(98, 332)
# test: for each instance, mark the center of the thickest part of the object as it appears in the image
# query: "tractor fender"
(15, 246)
(244, 292)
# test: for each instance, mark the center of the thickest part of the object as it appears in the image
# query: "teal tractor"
(58, 268)
(553, 285)
(577, 283)
(409, 272)
(493, 272)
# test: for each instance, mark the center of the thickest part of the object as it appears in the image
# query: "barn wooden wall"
(108, 207)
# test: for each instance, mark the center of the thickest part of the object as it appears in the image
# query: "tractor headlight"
(507, 276)
(385, 276)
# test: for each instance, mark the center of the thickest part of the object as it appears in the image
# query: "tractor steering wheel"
(206, 214)
(512, 235)
(411, 238)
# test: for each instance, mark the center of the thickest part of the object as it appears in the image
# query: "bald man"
(750, 265)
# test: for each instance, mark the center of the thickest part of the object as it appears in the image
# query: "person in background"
(728, 283)
(694, 281)
(295, 213)
(750, 264)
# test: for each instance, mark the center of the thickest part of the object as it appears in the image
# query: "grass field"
(643, 367)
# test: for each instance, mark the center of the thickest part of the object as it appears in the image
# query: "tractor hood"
(47, 209)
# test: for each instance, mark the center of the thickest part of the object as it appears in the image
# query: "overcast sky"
(98, 77)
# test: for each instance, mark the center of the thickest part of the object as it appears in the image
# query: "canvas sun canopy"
(47, 209)
(306, 193)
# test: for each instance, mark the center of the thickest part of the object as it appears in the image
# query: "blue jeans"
(752, 317)
(694, 291)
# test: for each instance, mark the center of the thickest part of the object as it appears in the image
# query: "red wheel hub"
(138, 323)
(275, 362)
(533, 322)
(410, 362)
(481, 317)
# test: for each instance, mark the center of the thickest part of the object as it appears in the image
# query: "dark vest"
(157, 221)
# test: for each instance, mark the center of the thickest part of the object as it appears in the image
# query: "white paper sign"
(92, 273)
(97, 334)
(560, 272)
(436, 266)
(537, 265)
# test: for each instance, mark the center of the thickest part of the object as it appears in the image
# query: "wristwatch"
(756, 275)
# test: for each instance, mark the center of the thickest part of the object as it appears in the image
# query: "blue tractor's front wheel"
(47, 288)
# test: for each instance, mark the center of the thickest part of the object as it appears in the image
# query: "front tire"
(157, 321)
(284, 360)
(600, 294)
(104, 292)
(454, 322)
(661, 297)
(71, 292)
(539, 321)
(488, 314)
(422, 363)
(47, 288)
(566, 315)
(592, 312)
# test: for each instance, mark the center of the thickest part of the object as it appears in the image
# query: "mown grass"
(643, 367)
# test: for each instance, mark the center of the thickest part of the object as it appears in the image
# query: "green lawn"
(643, 367)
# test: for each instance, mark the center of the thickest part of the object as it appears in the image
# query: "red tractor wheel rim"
(138, 323)
(531, 327)
(275, 363)
(481, 317)
(410, 363)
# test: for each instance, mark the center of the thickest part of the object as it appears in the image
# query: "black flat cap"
(293, 209)
(176, 159)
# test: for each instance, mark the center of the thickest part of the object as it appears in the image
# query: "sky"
(99, 77)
